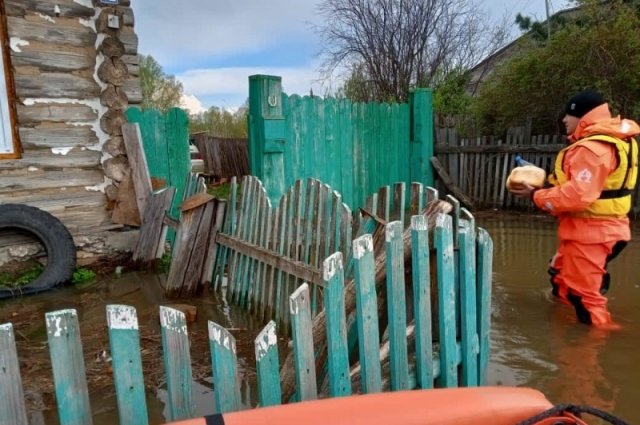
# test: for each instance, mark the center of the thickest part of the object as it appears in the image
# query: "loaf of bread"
(530, 174)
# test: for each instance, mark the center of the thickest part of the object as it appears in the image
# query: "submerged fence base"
(459, 357)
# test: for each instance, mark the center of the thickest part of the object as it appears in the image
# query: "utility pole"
(546, 6)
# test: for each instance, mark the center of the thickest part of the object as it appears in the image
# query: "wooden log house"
(69, 70)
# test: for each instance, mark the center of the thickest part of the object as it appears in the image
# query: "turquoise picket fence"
(353, 147)
(459, 356)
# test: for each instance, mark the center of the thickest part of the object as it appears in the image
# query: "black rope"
(575, 410)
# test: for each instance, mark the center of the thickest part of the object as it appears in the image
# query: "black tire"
(52, 234)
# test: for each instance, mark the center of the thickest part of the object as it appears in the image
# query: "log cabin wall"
(74, 71)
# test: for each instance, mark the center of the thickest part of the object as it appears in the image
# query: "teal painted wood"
(284, 228)
(249, 263)
(346, 146)
(124, 341)
(241, 232)
(229, 226)
(367, 315)
(244, 263)
(166, 145)
(226, 388)
(177, 363)
(67, 362)
(468, 328)
(396, 307)
(12, 407)
(304, 359)
(446, 300)
(422, 144)
(267, 366)
(337, 351)
(263, 272)
(483, 309)
(421, 277)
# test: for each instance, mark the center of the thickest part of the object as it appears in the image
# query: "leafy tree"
(600, 49)
(387, 47)
(159, 90)
(221, 122)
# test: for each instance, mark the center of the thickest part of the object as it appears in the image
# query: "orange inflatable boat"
(477, 406)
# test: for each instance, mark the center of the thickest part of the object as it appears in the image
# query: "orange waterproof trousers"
(579, 277)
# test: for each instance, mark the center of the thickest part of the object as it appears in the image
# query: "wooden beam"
(292, 267)
(446, 180)
(442, 149)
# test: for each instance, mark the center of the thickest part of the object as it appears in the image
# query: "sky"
(213, 46)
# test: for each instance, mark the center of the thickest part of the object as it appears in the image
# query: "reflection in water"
(537, 342)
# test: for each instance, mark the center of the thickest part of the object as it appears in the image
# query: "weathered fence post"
(267, 366)
(338, 353)
(12, 408)
(267, 133)
(299, 304)
(421, 106)
(67, 361)
(124, 340)
(224, 366)
(177, 363)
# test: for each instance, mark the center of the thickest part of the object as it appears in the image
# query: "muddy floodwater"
(535, 342)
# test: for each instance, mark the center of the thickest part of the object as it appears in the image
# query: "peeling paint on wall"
(46, 18)
(61, 151)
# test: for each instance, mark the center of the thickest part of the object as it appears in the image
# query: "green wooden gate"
(353, 147)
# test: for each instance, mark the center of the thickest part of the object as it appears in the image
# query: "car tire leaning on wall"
(52, 234)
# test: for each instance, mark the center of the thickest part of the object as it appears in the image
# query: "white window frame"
(9, 142)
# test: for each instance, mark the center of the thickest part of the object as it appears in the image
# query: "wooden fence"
(458, 358)
(223, 157)
(479, 167)
(354, 147)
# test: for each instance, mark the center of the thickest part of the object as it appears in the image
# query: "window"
(9, 144)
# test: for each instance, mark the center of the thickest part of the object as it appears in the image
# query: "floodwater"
(535, 342)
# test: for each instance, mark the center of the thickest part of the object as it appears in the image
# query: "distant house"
(483, 70)
(69, 70)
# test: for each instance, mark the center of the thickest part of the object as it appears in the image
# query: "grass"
(222, 191)
(22, 277)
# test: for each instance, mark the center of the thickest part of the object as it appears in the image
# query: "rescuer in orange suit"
(590, 194)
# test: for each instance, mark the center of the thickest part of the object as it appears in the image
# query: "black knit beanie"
(583, 102)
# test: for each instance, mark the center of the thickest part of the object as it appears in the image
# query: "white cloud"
(192, 104)
(233, 83)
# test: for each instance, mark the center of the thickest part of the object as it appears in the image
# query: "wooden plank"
(224, 366)
(446, 180)
(299, 307)
(50, 58)
(66, 31)
(12, 406)
(151, 238)
(384, 203)
(396, 306)
(124, 342)
(468, 328)
(446, 301)
(40, 179)
(267, 366)
(126, 209)
(421, 282)
(238, 230)
(55, 112)
(246, 260)
(67, 362)
(58, 136)
(228, 227)
(283, 263)
(133, 90)
(68, 8)
(138, 162)
(47, 160)
(398, 202)
(509, 148)
(483, 308)
(207, 276)
(177, 364)
(193, 285)
(334, 307)
(367, 315)
(416, 198)
(55, 85)
(284, 226)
